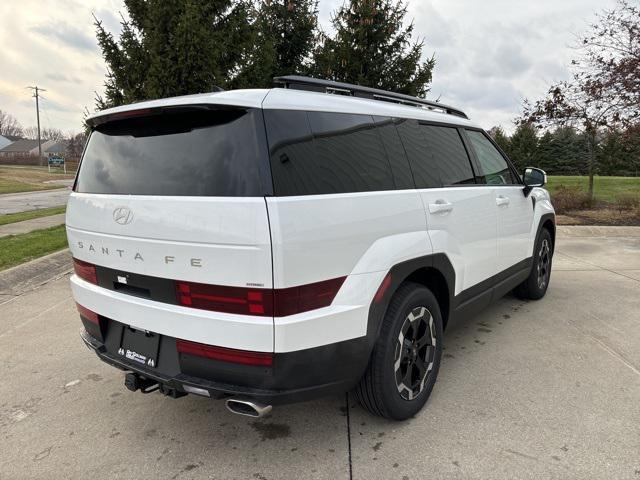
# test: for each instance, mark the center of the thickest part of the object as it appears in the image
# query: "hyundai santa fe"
(274, 245)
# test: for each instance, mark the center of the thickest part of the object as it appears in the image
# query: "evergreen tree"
(523, 146)
(503, 141)
(372, 47)
(175, 47)
(545, 158)
(284, 33)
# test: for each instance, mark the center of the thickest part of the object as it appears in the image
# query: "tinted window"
(395, 152)
(415, 144)
(449, 154)
(494, 166)
(332, 153)
(199, 153)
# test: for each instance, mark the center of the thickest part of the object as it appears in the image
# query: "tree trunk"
(592, 160)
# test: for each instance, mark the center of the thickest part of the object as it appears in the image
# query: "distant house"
(29, 148)
(7, 140)
(54, 148)
(21, 148)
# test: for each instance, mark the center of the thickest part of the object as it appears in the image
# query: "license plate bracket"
(140, 346)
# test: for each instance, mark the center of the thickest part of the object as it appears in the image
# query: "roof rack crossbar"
(328, 86)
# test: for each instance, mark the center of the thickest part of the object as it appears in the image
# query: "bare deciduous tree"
(603, 93)
(9, 125)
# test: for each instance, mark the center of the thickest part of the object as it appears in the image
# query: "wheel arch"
(433, 271)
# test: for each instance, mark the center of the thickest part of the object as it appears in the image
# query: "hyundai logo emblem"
(123, 215)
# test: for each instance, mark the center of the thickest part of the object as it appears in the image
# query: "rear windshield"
(194, 152)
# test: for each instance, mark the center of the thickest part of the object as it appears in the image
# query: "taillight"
(88, 314)
(263, 359)
(243, 301)
(86, 271)
(289, 301)
(261, 302)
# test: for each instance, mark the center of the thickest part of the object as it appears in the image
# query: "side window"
(291, 149)
(386, 127)
(349, 156)
(425, 172)
(494, 166)
(449, 155)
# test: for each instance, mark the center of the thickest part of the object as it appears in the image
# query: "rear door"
(461, 215)
(176, 195)
(514, 209)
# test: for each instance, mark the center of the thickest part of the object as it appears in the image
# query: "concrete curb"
(29, 276)
(596, 231)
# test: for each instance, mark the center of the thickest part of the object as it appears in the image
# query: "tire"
(535, 286)
(413, 319)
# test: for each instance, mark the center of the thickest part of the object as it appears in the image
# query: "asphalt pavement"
(547, 389)
(25, 201)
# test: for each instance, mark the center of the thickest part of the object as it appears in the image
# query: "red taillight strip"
(88, 314)
(263, 359)
(258, 301)
(86, 271)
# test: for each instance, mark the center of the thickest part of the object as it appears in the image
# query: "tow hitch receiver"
(134, 382)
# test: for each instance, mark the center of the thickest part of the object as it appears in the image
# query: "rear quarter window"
(191, 153)
(322, 153)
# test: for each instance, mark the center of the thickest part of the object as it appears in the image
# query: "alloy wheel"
(414, 354)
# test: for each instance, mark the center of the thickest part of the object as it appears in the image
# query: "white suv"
(270, 246)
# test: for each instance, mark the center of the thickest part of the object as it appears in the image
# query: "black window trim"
(510, 165)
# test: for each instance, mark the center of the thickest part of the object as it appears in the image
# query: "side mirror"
(533, 177)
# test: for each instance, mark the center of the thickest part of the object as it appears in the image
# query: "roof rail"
(300, 82)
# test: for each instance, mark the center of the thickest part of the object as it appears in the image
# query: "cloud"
(68, 35)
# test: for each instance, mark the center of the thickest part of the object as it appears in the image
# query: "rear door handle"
(501, 200)
(441, 206)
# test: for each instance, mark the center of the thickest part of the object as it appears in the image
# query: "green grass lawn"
(12, 186)
(22, 216)
(606, 189)
(16, 249)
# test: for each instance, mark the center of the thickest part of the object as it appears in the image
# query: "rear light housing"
(230, 355)
(258, 301)
(88, 314)
(86, 271)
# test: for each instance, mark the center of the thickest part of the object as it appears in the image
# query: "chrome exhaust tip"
(249, 408)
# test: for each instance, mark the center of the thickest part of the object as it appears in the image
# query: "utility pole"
(35, 94)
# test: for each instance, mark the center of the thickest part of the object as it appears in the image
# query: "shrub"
(566, 199)
(627, 202)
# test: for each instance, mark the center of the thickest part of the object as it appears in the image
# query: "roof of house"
(55, 147)
(20, 146)
(13, 138)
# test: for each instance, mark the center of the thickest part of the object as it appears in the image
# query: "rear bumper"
(294, 377)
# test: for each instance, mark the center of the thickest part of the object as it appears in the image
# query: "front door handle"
(441, 206)
(501, 200)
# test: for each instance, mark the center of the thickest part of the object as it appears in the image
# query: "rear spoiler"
(93, 122)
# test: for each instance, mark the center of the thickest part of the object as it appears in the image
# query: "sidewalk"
(31, 225)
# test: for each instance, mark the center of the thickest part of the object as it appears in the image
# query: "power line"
(36, 90)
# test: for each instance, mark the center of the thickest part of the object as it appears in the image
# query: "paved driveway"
(21, 202)
(547, 389)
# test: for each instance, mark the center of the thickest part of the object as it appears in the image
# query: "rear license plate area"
(139, 346)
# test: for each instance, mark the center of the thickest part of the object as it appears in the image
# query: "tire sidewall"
(397, 407)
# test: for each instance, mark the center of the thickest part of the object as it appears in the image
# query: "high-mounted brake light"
(86, 271)
(263, 359)
(258, 301)
(88, 314)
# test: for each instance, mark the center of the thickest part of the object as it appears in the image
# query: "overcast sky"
(490, 54)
